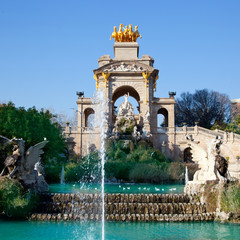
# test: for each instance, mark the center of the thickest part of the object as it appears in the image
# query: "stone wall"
(122, 207)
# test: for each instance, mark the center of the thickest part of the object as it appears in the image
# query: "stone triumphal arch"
(129, 75)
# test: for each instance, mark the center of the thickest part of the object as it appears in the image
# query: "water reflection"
(25, 230)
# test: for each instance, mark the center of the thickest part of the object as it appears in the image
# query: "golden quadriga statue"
(125, 34)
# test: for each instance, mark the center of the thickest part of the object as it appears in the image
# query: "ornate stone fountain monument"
(126, 74)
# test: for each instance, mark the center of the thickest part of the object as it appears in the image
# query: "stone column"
(80, 125)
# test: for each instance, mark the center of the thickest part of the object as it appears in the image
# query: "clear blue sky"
(48, 48)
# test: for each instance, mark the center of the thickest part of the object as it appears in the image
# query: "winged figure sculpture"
(21, 165)
(208, 161)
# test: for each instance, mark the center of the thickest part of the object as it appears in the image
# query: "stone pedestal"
(126, 50)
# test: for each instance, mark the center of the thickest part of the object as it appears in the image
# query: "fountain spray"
(186, 176)
(100, 121)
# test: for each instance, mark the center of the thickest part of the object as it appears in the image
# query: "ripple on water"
(24, 230)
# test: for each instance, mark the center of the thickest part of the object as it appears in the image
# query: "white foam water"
(62, 181)
(186, 176)
(100, 122)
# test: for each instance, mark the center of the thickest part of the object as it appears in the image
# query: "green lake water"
(116, 188)
(26, 230)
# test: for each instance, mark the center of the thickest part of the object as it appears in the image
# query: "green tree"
(234, 126)
(33, 126)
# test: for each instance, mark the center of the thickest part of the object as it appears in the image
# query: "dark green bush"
(175, 171)
(87, 169)
(52, 172)
(118, 170)
(14, 201)
(150, 172)
(125, 161)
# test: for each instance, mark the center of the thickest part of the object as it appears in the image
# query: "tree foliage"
(33, 126)
(234, 126)
(204, 106)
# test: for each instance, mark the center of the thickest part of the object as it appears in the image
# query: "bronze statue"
(11, 163)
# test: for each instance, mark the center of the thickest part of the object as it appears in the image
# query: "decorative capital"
(146, 75)
(97, 81)
(105, 75)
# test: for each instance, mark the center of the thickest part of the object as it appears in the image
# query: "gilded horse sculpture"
(136, 34)
(127, 35)
(120, 33)
(130, 33)
(115, 34)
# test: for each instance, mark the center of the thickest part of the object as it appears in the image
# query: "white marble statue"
(147, 116)
(126, 108)
(206, 160)
(213, 167)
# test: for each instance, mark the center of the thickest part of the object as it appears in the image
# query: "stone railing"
(74, 129)
(225, 135)
(237, 136)
(162, 129)
(122, 207)
(178, 129)
(190, 129)
(211, 132)
(88, 129)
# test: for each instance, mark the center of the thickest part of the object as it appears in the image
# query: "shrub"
(52, 172)
(14, 201)
(87, 169)
(126, 161)
(176, 171)
(147, 172)
(118, 170)
(230, 198)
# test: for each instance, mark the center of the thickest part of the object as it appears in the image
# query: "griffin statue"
(24, 166)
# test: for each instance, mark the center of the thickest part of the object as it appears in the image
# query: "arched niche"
(162, 117)
(88, 117)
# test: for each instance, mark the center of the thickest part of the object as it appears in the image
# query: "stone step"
(122, 208)
(118, 198)
(124, 217)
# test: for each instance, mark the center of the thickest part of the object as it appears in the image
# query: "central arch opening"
(118, 98)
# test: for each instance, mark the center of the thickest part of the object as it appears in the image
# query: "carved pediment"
(125, 66)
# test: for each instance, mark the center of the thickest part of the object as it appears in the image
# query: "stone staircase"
(122, 207)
